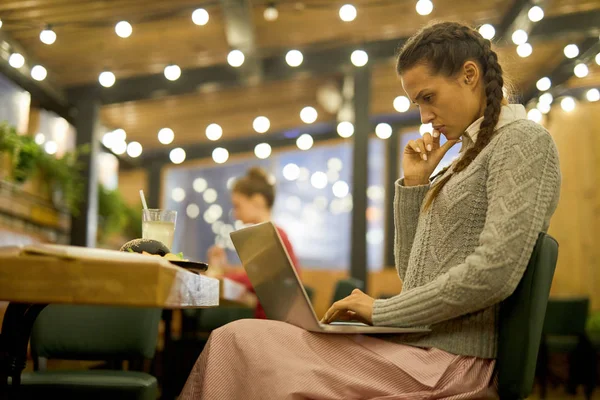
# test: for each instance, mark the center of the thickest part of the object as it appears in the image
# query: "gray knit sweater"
(468, 252)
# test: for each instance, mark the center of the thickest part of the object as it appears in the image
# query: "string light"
(200, 17)
(48, 36)
(535, 14)
(214, 132)
(177, 155)
(383, 130)
(235, 58)
(348, 13)
(359, 58)
(172, 72)
(261, 124)
(107, 79)
(16, 60)
(38, 73)
(271, 13)
(401, 104)
(123, 29)
(487, 31)
(571, 51)
(424, 7)
(581, 70)
(134, 149)
(593, 95)
(543, 84)
(166, 135)
(519, 37)
(308, 115)
(535, 115)
(524, 50)
(546, 98)
(345, 129)
(567, 104)
(262, 150)
(304, 141)
(220, 155)
(294, 58)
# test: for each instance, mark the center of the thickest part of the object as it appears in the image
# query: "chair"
(521, 321)
(564, 332)
(93, 333)
(344, 288)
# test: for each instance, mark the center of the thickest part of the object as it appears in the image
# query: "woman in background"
(253, 197)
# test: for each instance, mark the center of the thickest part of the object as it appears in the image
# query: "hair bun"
(258, 174)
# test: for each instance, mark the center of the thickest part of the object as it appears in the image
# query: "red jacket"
(242, 277)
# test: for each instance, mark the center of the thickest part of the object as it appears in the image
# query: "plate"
(193, 266)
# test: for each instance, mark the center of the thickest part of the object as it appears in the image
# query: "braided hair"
(445, 47)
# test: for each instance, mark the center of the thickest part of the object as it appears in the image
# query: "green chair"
(564, 332)
(521, 321)
(111, 334)
(344, 287)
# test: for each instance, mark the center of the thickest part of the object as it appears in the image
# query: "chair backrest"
(566, 316)
(344, 288)
(95, 332)
(521, 322)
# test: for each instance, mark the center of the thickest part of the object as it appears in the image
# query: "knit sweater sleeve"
(522, 184)
(407, 206)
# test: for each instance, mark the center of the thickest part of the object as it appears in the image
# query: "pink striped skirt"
(263, 359)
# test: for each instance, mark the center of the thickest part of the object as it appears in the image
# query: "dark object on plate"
(191, 266)
(148, 245)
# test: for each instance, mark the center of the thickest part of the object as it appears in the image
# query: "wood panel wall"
(576, 223)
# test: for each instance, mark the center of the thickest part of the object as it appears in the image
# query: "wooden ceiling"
(163, 33)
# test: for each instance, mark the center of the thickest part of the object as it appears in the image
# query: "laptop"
(279, 288)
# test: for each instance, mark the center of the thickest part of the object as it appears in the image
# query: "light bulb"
(271, 13)
(291, 172)
(235, 58)
(16, 60)
(119, 147)
(177, 155)
(401, 104)
(546, 98)
(262, 150)
(261, 124)
(519, 37)
(200, 17)
(359, 58)
(535, 115)
(568, 104)
(107, 79)
(123, 29)
(345, 129)
(535, 14)
(48, 36)
(424, 7)
(598, 58)
(166, 135)
(51, 147)
(220, 155)
(304, 141)
(544, 107)
(214, 132)
(172, 72)
(544, 84)
(134, 149)
(383, 131)
(38, 73)
(571, 51)
(581, 70)
(308, 115)
(524, 50)
(487, 31)
(294, 58)
(40, 138)
(347, 13)
(593, 95)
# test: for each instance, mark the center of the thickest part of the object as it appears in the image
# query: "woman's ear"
(258, 200)
(471, 73)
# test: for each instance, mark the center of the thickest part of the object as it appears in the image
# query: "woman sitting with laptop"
(463, 240)
(253, 197)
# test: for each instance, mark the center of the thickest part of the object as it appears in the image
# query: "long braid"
(449, 45)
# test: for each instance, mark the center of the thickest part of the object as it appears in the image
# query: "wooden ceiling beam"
(316, 62)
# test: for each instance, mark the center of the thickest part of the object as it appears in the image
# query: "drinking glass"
(159, 225)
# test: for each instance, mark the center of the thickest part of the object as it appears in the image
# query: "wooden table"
(32, 277)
